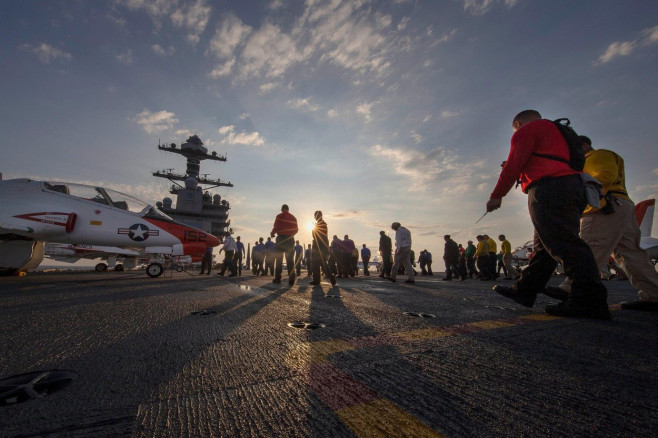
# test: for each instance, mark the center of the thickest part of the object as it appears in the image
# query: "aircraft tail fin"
(644, 215)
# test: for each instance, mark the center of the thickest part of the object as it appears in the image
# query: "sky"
(371, 111)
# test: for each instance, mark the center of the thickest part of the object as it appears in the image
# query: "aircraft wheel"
(118, 268)
(179, 268)
(101, 267)
(154, 270)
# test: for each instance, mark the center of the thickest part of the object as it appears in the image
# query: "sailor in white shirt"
(402, 253)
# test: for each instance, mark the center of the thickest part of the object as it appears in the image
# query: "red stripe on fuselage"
(186, 235)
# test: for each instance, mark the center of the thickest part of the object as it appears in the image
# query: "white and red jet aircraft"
(33, 212)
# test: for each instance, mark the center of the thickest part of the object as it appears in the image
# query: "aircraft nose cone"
(212, 241)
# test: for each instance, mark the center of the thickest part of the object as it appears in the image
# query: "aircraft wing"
(72, 253)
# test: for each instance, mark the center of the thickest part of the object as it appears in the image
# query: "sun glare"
(309, 225)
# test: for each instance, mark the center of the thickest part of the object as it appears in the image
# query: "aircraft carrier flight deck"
(119, 354)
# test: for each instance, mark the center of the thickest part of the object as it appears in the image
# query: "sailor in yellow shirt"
(493, 259)
(483, 259)
(613, 229)
(506, 249)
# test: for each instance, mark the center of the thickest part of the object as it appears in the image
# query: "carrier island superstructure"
(195, 206)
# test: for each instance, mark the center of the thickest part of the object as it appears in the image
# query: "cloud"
(156, 9)
(403, 23)
(364, 110)
(647, 37)
(348, 37)
(276, 4)
(303, 103)
(269, 52)
(161, 51)
(417, 137)
(346, 214)
(155, 122)
(125, 57)
(341, 32)
(447, 114)
(228, 36)
(479, 7)
(184, 133)
(222, 70)
(434, 169)
(193, 17)
(47, 53)
(244, 138)
(269, 86)
(617, 49)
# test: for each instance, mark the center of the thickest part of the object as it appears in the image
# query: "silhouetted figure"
(239, 253)
(365, 258)
(299, 255)
(451, 259)
(385, 249)
(206, 261)
(258, 256)
(285, 228)
(229, 249)
(402, 253)
(269, 257)
(320, 250)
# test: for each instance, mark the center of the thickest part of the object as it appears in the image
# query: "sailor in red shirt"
(285, 228)
(556, 200)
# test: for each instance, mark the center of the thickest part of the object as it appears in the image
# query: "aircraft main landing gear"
(101, 267)
(154, 270)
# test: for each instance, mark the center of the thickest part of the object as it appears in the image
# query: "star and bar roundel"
(138, 232)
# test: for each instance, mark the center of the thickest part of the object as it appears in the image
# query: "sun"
(310, 225)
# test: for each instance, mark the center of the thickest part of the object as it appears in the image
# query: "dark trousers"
(333, 262)
(493, 261)
(501, 265)
(470, 264)
(284, 246)
(319, 261)
(229, 263)
(387, 265)
(298, 264)
(257, 265)
(206, 264)
(268, 263)
(346, 264)
(452, 268)
(555, 207)
(484, 263)
(462, 267)
(239, 263)
(366, 260)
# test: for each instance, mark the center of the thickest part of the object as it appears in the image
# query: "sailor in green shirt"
(469, 254)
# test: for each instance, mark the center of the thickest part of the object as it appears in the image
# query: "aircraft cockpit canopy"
(107, 197)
